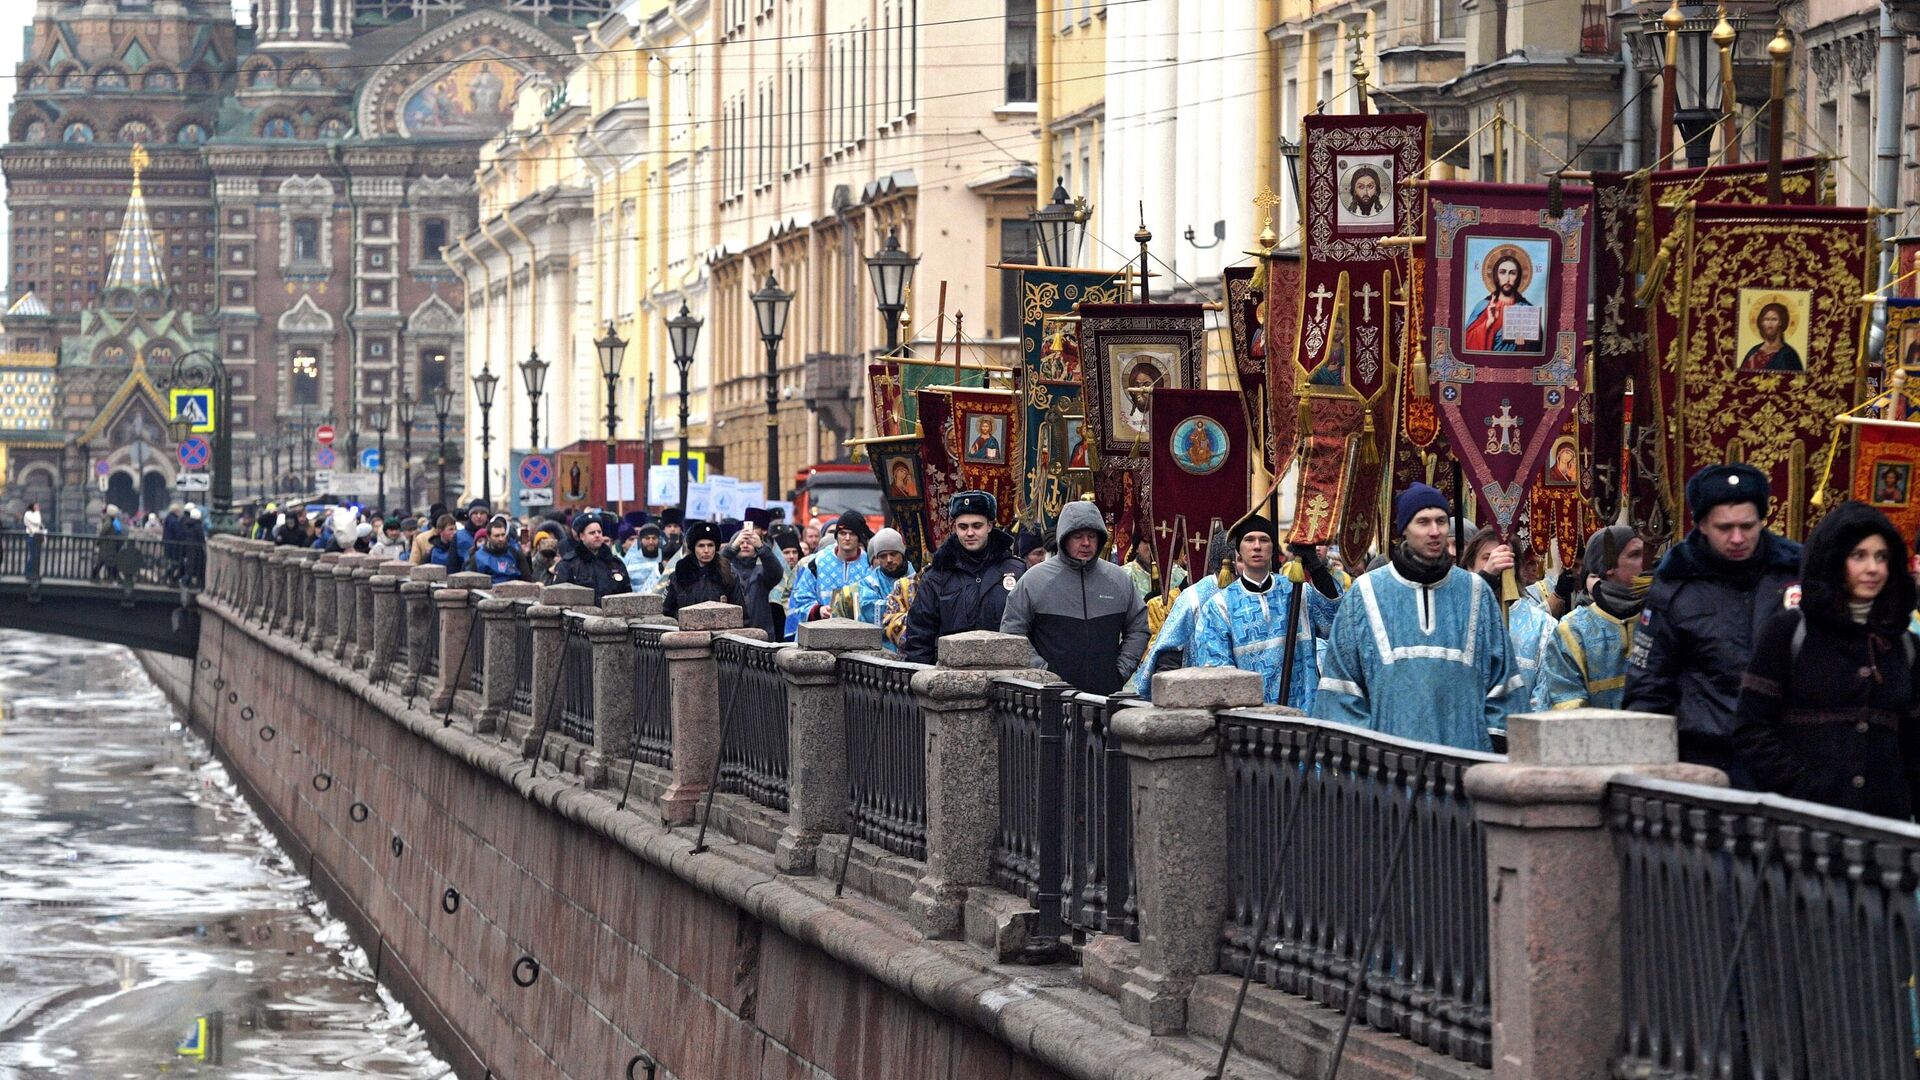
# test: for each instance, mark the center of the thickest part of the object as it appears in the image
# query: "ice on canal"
(149, 924)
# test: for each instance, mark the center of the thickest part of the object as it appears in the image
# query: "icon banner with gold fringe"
(1130, 350)
(1202, 469)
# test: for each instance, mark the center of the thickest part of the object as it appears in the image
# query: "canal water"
(149, 924)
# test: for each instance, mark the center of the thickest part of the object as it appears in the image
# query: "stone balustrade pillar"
(416, 594)
(694, 688)
(250, 571)
(360, 653)
(278, 570)
(326, 607)
(1179, 782)
(613, 703)
(817, 736)
(963, 772)
(284, 611)
(1553, 882)
(298, 609)
(461, 640)
(387, 652)
(345, 610)
(549, 653)
(499, 615)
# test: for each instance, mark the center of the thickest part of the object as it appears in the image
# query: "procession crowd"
(1791, 669)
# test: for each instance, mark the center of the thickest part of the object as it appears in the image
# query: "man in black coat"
(966, 585)
(1710, 597)
(592, 561)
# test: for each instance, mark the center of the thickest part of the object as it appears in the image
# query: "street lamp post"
(204, 368)
(442, 408)
(770, 306)
(613, 352)
(1062, 226)
(683, 333)
(407, 413)
(892, 272)
(377, 419)
(534, 371)
(484, 385)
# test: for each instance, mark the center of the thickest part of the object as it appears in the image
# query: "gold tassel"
(1421, 388)
(1369, 450)
(1306, 416)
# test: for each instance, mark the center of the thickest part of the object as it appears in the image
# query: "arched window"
(305, 376)
(306, 240)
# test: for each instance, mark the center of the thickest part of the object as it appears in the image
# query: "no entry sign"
(323, 434)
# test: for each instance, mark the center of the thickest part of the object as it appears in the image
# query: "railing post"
(284, 610)
(299, 610)
(386, 651)
(326, 605)
(498, 614)
(461, 641)
(252, 566)
(279, 567)
(613, 704)
(416, 592)
(1179, 836)
(963, 772)
(549, 647)
(695, 693)
(1553, 883)
(817, 736)
(364, 642)
(345, 610)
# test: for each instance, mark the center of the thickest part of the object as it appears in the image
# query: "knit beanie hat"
(1415, 498)
(1604, 548)
(884, 541)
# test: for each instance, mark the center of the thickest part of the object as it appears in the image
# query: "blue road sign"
(370, 458)
(536, 470)
(194, 452)
(323, 458)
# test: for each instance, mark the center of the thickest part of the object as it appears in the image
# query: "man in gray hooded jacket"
(1084, 618)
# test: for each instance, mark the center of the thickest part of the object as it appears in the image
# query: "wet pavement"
(149, 923)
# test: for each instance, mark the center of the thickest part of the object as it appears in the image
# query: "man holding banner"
(1249, 623)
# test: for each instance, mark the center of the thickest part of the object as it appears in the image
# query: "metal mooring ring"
(219, 683)
(641, 1059)
(398, 846)
(532, 968)
(450, 900)
(267, 733)
(205, 663)
(358, 811)
(246, 713)
(322, 781)
(233, 697)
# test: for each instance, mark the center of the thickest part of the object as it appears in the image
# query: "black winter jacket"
(604, 573)
(690, 584)
(756, 578)
(1697, 634)
(960, 590)
(1837, 719)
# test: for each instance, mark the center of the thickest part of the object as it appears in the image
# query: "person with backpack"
(1829, 707)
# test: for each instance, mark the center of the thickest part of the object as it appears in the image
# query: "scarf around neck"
(1417, 568)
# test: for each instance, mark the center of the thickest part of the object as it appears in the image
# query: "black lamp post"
(1062, 225)
(770, 307)
(378, 419)
(442, 409)
(613, 352)
(204, 368)
(534, 371)
(406, 411)
(892, 272)
(484, 385)
(683, 333)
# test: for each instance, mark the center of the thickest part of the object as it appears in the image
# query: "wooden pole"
(1670, 81)
(1723, 36)
(940, 324)
(1780, 49)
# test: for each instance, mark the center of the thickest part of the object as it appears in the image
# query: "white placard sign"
(663, 485)
(699, 502)
(620, 482)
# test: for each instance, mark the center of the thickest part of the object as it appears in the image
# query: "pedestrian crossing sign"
(194, 405)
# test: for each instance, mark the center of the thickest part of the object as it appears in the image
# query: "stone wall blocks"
(983, 649)
(711, 616)
(633, 605)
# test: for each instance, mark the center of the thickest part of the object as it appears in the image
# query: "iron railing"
(1354, 791)
(522, 658)
(753, 760)
(476, 643)
(886, 753)
(1821, 981)
(1100, 896)
(1029, 855)
(652, 705)
(137, 559)
(576, 680)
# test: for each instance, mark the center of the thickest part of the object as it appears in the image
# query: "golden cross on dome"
(139, 159)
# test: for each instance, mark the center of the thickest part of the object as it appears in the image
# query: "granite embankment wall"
(458, 869)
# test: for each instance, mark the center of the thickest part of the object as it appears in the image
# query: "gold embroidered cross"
(1318, 510)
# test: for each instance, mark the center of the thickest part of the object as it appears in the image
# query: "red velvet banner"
(1759, 321)
(1886, 471)
(1506, 290)
(1246, 310)
(939, 471)
(1280, 333)
(1202, 466)
(1127, 352)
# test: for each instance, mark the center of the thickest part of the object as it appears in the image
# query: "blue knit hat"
(1415, 498)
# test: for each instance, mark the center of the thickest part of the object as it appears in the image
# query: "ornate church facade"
(303, 175)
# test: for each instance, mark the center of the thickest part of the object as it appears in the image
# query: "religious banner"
(896, 465)
(1633, 212)
(939, 469)
(1280, 336)
(1899, 351)
(1906, 267)
(1246, 310)
(1558, 516)
(1886, 470)
(986, 437)
(1506, 288)
(1759, 321)
(1354, 198)
(1202, 470)
(1129, 351)
(1051, 382)
(893, 382)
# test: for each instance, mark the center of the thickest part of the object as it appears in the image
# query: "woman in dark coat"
(593, 562)
(702, 576)
(1829, 710)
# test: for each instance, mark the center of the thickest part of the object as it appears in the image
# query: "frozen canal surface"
(138, 894)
